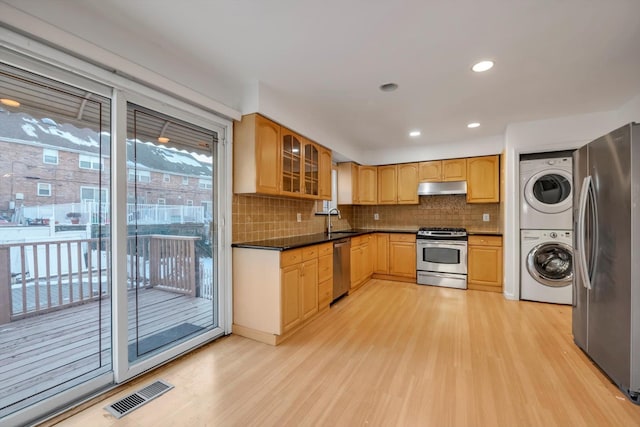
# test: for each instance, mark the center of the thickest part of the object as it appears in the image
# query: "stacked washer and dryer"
(546, 253)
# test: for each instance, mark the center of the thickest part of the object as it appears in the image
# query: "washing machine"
(546, 268)
(546, 194)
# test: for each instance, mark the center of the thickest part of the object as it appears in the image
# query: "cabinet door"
(483, 174)
(324, 174)
(291, 162)
(408, 183)
(454, 170)
(485, 265)
(356, 266)
(430, 171)
(291, 285)
(381, 262)
(309, 288)
(367, 260)
(367, 185)
(387, 185)
(402, 257)
(311, 169)
(267, 154)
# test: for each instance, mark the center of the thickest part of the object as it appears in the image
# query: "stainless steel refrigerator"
(606, 297)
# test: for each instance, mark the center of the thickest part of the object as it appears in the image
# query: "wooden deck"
(51, 352)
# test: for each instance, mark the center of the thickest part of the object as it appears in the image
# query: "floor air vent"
(129, 403)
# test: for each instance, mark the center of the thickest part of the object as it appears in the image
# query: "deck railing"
(37, 277)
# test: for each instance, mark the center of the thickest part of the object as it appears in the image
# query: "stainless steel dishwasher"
(341, 267)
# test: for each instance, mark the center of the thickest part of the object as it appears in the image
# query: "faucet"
(329, 218)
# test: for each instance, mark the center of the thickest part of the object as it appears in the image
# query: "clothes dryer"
(546, 268)
(546, 195)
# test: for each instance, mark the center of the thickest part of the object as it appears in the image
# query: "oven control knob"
(553, 234)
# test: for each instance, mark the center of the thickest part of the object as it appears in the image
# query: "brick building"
(43, 163)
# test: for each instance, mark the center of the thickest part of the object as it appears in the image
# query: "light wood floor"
(392, 354)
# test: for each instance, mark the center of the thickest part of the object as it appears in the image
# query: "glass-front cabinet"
(311, 168)
(291, 162)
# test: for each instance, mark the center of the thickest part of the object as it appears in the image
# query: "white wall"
(468, 148)
(299, 118)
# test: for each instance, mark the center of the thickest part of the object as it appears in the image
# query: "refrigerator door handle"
(582, 258)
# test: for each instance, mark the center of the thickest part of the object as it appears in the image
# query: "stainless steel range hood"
(437, 188)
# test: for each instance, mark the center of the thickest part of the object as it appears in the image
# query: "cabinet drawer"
(396, 237)
(325, 292)
(325, 249)
(290, 257)
(310, 252)
(485, 240)
(357, 241)
(325, 268)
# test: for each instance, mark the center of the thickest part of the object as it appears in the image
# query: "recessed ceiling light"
(163, 140)
(482, 66)
(9, 102)
(473, 125)
(388, 87)
(414, 133)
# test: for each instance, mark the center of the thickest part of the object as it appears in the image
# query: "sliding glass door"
(171, 286)
(111, 244)
(55, 271)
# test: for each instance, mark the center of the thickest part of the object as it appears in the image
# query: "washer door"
(549, 191)
(551, 264)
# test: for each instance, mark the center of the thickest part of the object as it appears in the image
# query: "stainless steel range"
(442, 257)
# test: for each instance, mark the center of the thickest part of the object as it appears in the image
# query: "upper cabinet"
(388, 185)
(454, 170)
(271, 159)
(408, 183)
(324, 174)
(291, 162)
(348, 191)
(483, 175)
(443, 170)
(256, 155)
(367, 185)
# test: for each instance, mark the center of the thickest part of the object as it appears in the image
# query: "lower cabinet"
(276, 292)
(402, 255)
(361, 260)
(325, 276)
(485, 263)
(395, 256)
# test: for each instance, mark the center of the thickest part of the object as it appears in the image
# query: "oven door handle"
(445, 275)
(442, 243)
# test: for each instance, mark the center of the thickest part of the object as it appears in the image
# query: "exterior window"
(94, 194)
(166, 177)
(144, 176)
(185, 180)
(44, 189)
(90, 162)
(189, 202)
(49, 156)
(205, 184)
(162, 202)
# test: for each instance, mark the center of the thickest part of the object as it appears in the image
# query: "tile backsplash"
(264, 217)
(432, 211)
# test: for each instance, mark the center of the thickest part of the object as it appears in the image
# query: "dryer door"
(551, 264)
(549, 191)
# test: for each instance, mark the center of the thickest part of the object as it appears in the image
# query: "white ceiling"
(553, 57)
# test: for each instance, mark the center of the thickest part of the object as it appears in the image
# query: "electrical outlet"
(299, 217)
(485, 217)
(376, 217)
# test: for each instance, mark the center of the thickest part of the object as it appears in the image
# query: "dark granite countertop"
(284, 243)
